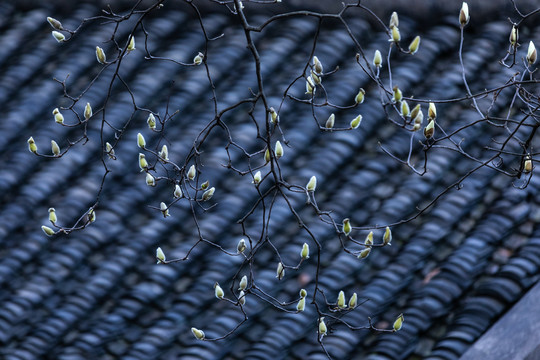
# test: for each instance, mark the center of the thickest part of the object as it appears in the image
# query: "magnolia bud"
(353, 301)
(55, 148)
(267, 156)
(177, 194)
(360, 96)
(160, 256)
(399, 321)
(347, 228)
(164, 153)
(415, 111)
(47, 230)
(257, 178)
(191, 172)
(109, 150)
(143, 164)
(355, 123)
(199, 334)
(32, 145)
(52, 215)
(205, 185)
(397, 94)
(429, 130)
(364, 253)
(312, 184)
(394, 20)
(405, 111)
(377, 59)
(527, 165)
(415, 44)
(330, 122)
(531, 53)
(242, 298)
(387, 237)
(218, 291)
(164, 209)
(303, 293)
(58, 36)
(341, 300)
(316, 79)
(58, 117)
(91, 215)
(301, 305)
(418, 119)
(243, 283)
(464, 14)
(395, 35)
(310, 86)
(317, 65)
(322, 328)
(131, 45)
(280, 272)
(207, 195)
(100, 55)
(150, 180)
(274, 116)
(197, 60)
(140, 141)
(87, 111)
(55, 23)
(432, 111)
(278, 150)
(514, 35)
(241, 247)
(151, 121)
(416, 127)
(369, 239)
(305, 252)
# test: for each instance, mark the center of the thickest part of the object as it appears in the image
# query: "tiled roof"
(98, 294)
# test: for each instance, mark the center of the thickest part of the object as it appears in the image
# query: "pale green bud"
(55, 23)
(369, 239)
(150, 180)
(199, 334)
(347, 228)
(278, 150)
(310, 86)
(218, 291)
(399, 321)
(359, 98)
(396, 37)
(301, 305)
(100, 55)
(58, 36)
(312, 184)
(415, 111)
(394, 20)
(429, 130)
(267, 156)
(55, 148)
(355, 123)
(341, 300)
(52, 215)
(143, 164)
(242, 298)
(160, 256)
(274, 116)
(177, 192)
(280, 272)
(405, 110)
(330, 122)
(205, 185)
(514, 36)
(207, 195)
(322, 328)
(140, 141)
(364, 253)
(303, 293)
(257, 178)
(164, 153)
(87, 111)
(527, 165)
(47, 230)
(151, 121)
(387, 237)
(32, 145)
(131, 45)
(241, 247)
(353, 301)
(377, 59)
(305, 251)
(397, 94)
(164, 209)
(317, 65)
(243, 283)
(91, 215)
(415, 44)
(191, 172)
(59, 118)
(197, 60)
